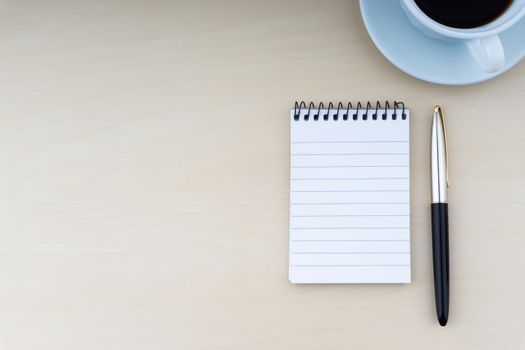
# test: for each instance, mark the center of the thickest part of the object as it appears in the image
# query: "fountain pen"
(439, 207)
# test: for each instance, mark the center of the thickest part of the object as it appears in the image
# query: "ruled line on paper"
(349, 166)
(349, 265)
(348, 178)
(349, 240)
(372, 141)
(348, 228)
(345, 203)
(330, 253)
(295, 191)
(350, 154)
(348, 215)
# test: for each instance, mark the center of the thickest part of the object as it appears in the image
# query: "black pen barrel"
(441, 260)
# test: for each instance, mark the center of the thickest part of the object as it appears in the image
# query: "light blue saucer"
(431, 59)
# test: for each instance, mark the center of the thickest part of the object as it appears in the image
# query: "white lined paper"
(349, 200)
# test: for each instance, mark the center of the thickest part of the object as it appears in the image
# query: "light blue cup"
(482, 42)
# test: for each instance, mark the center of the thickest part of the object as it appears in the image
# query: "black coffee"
(463, 13)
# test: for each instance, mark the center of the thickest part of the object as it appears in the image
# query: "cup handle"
(488, 53)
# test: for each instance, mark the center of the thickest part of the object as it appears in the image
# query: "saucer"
(425, 58)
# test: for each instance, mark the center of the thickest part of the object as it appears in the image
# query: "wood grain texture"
(144, 183)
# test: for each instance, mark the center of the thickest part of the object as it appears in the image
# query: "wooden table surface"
(145, 178)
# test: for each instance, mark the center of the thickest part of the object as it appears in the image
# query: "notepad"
(349, 195)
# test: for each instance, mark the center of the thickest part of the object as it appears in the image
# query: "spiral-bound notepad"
(349, 194)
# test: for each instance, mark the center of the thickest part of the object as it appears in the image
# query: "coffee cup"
(482, 41)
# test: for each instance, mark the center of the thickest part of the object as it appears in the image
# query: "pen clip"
(439, 110)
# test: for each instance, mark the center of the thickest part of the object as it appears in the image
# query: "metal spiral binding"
(331, 112)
